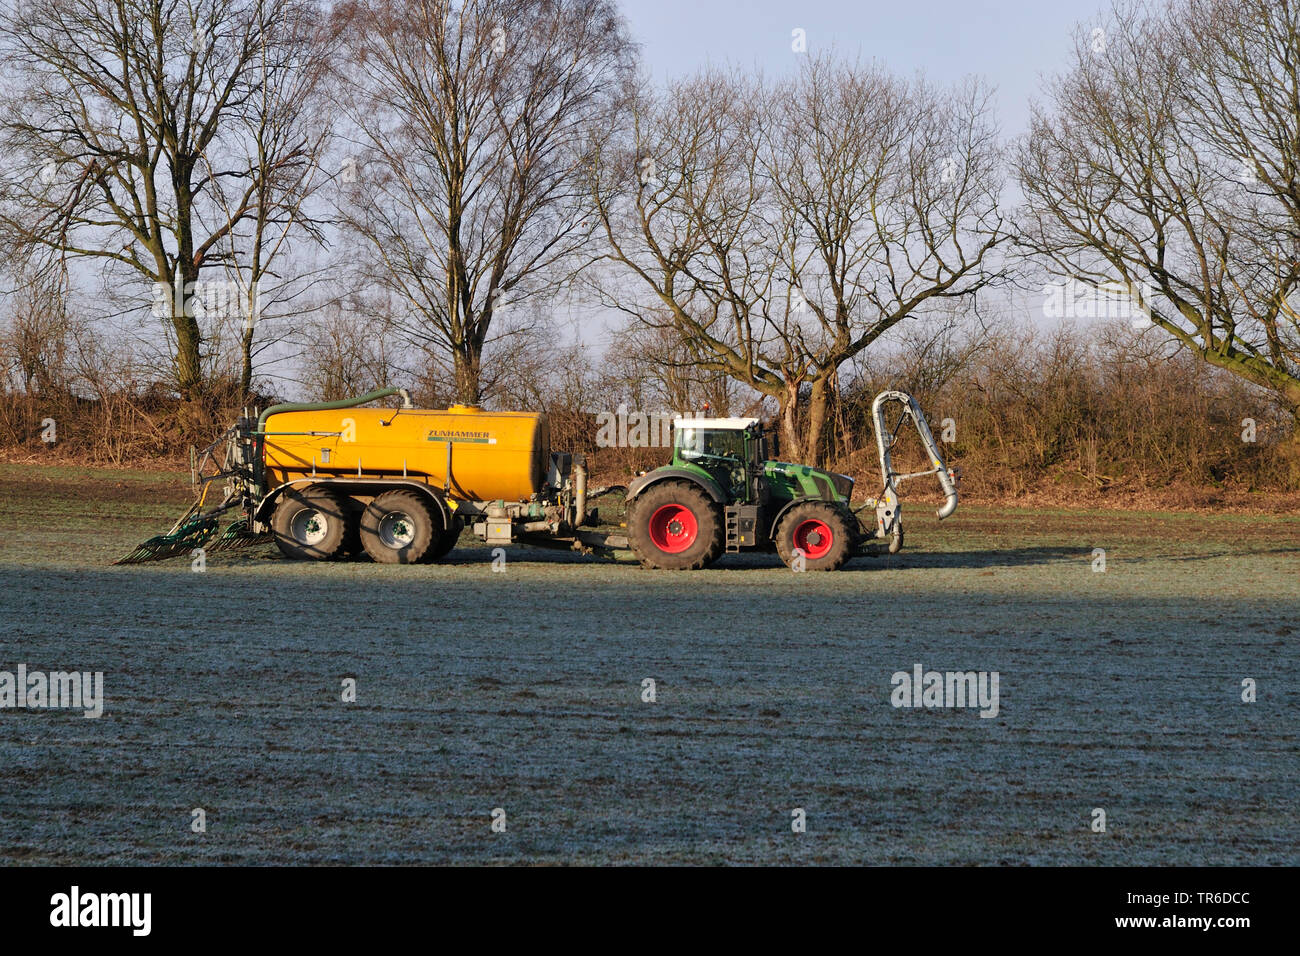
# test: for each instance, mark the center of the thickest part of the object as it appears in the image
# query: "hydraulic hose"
(326, 406)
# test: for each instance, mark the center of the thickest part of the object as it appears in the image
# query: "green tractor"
(722, 494)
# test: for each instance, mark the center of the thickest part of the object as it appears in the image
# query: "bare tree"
(1168, 162)
(124, 127)
(474, 121)
(656, 367)
(36, 338)
(783, 228)
(343, 363)
(286, 130)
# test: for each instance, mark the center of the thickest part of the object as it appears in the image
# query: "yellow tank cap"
(459, 409)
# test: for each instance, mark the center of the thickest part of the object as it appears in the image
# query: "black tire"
(806, 526)
(399, 527)
(446, 541)
(352, 548)
(310, 523)
(664, 505)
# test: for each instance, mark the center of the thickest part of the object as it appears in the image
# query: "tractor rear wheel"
(399, 527)
(675, 526)
(820, 532)
(310, 523)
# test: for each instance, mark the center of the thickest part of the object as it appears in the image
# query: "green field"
(522, 689)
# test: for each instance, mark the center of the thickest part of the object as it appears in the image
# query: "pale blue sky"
(1011, 43)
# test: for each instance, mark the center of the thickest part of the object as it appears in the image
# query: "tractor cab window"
(719, 451)
(704, 444)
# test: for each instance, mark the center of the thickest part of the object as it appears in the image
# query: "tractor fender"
(649, 479)
(776, 518)
(356, 486)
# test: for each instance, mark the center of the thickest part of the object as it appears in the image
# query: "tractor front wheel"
(817, 531)
(675, 526)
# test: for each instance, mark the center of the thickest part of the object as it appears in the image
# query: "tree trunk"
(818, 404)
(801, 434)
(189, 362)
(467, 367)
(1291, 395)
(189, 356)
(1293, 449)
(246, 363)
(791, 445)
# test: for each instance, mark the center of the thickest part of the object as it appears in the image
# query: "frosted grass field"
(522, 691)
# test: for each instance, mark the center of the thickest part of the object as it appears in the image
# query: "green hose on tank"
(326, 406)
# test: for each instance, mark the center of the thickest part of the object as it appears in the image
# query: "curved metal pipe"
(938, 468)
(949, 506)
(326, 406)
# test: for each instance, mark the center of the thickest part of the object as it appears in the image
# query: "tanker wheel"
(820, 531)
(446, 541)
(399, 527)
(352, 547)
(310, 523)
(675, 526)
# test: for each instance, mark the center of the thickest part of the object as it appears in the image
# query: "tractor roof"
(725, 424)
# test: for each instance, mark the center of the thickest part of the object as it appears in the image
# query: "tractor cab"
(731, 450)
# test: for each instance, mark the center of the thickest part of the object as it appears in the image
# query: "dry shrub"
(1104, 411)
(1062, 415)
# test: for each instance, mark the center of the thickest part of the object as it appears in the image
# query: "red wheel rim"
(673, 528)
(814, 538)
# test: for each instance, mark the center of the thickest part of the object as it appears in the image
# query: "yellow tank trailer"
(332, 479)
(491, 454)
